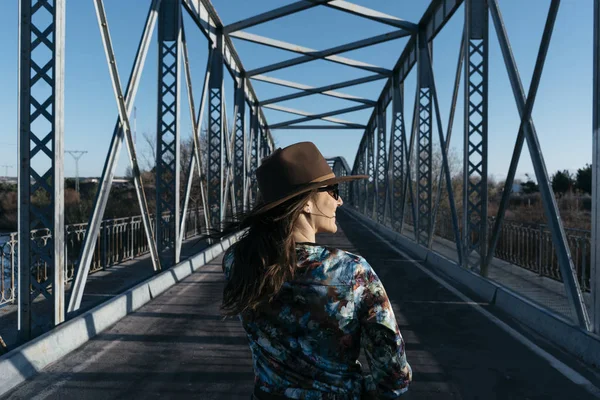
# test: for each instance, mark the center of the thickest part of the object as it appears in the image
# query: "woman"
(306, 308)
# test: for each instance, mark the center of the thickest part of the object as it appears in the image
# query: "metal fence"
(119, 240)
(530, 246)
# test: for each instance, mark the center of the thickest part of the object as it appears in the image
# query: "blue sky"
(562, 114)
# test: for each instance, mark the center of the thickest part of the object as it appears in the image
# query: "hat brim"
(307, 188)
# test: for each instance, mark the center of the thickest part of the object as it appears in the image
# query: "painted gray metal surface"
(475, 154)
(110, 165)
(167, 130)
(548, 199)
(41, 162)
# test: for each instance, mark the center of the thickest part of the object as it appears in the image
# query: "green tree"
(529, 186)
(562, 182)
(583, 179)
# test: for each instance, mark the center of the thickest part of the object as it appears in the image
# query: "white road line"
(561, 367)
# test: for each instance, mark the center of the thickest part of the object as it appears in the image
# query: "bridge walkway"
(177, 345)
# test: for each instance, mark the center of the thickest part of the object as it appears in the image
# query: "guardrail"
(530, 246)
(119, 240)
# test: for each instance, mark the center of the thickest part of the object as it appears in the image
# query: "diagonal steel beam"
(110, 165)
(373, 15)
(324, 90)
(271, 15)
(278, 44)
(309, 117)
(559, 238)
(195, 159)
(324, 54)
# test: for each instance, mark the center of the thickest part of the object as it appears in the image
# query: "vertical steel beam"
(371, 187)
(216, 142)
(253, 155)
(381, 165)
(424, 154)
(167, 132)
(559, 239)
(595, 259)
(397, 144)
(41, 153)
(475, 134)
(239, 153)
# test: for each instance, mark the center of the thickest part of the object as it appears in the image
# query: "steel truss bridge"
(400, 202)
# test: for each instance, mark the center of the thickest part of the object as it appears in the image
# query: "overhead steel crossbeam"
(310, 54)
(309, 117)
(318, 127)
(206, 18)
(271, 15)
(324, 90)
(340, 5)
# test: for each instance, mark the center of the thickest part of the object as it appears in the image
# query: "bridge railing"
(119, 240)
(530, 246)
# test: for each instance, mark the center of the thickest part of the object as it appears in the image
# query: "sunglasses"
(333, 190)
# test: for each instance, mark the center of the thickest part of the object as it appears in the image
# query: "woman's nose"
(340, 201)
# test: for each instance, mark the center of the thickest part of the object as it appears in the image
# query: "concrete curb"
(27, 360)
(578, 342)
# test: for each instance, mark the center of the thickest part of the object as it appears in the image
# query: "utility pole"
(6, 167)
(76, 154)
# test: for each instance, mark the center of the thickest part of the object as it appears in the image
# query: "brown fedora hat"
(294, 170)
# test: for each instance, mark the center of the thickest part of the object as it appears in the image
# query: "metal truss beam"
(253, 158)
(309, 117)
(167, 132)
(196, 159)
(371, 182)
(324, 90)
(372, 15)
(434, 19)
(239, 153)
(424, 153)
(327, 54)
(475, 176)
(206, 18)
(110, 165)
(124, 120)
(310, 53)
(271, 15)
(527, 129)
(41, 155)
(216, 139)
(448, 135)
(381, 165)
(445, 168)
(397, 156)
(318, 127)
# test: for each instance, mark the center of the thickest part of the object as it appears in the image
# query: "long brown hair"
(264, 258)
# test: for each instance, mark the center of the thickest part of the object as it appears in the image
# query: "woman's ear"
(308, 207)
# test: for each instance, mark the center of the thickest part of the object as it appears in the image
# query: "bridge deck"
(177, 346)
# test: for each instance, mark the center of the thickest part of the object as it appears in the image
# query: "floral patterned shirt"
(306, 343)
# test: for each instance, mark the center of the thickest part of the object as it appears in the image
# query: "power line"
(76, 154)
